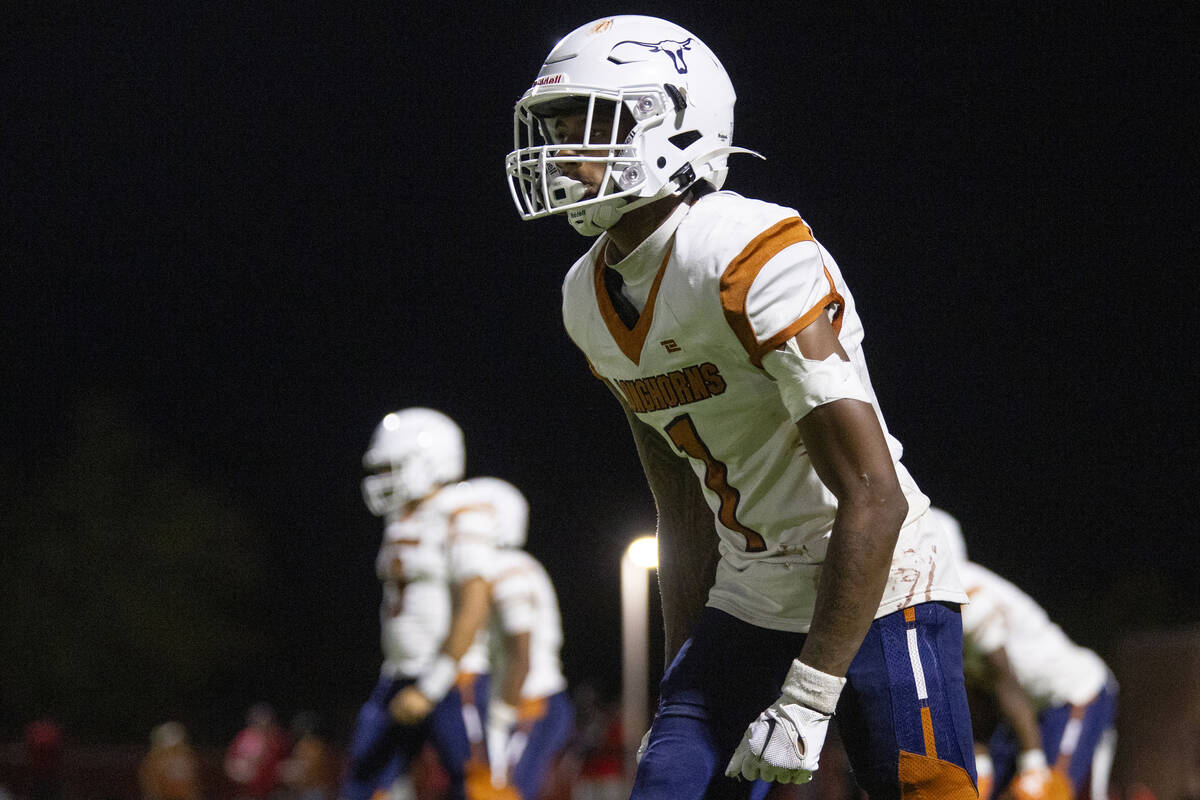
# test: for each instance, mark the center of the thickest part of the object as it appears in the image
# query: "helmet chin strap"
(590, 220)
(594, 220)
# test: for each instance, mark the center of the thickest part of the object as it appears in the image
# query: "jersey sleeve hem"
(831, 299)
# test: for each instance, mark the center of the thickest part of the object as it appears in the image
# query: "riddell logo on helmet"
(546, 80)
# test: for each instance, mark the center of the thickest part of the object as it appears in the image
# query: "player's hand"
(501, 717)
(415, 702)
(784, 743)
(1036, 781)
(410, 706)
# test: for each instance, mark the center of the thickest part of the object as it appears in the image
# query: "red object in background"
(43, 766)
(605, 761)
(253, 758)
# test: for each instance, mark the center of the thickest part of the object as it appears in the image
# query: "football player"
(529, 714)
(1054, 701)
(414, 462)
(799, 574)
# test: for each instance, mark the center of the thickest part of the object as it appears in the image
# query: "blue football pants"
(381, 749)
(543, 738)
(903, 714)
(1070, 736)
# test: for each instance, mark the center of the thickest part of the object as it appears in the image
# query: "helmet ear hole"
(685, 140)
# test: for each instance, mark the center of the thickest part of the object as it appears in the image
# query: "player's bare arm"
(687, 541)
(472, 599)
(1012, 702)
(516, 647)
(848, 451)
(502, 713)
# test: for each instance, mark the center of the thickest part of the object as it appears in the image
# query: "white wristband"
(1031, 759)
(438, 678)
(502, 714)
(810, 687)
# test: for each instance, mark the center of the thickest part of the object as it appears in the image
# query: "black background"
(256, 229)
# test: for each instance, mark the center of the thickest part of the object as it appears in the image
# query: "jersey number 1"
(683, 433)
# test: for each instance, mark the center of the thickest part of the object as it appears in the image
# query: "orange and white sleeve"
(776, 287)
(514, 601)
(472, 537)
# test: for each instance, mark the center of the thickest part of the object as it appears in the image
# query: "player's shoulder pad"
(455, 496)
(488, 510)
(515, 570)
(723, 224)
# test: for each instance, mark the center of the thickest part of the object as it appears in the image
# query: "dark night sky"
(264, 229)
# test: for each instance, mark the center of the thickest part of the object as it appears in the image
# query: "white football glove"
(784, 742)
(501, 717)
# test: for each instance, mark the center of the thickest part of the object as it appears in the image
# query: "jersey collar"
(630, 340)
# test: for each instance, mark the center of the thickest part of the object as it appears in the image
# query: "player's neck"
(634, 226)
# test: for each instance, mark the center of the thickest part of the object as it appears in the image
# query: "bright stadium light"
(643, 552)
(639, 558)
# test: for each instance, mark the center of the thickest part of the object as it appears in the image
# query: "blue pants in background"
(381, 749)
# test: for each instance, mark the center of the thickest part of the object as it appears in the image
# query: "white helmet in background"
(412, 452)
(512, 510)
(953, 533)
(673, 88)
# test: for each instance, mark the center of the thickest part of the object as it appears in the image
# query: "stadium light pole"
(639, 558)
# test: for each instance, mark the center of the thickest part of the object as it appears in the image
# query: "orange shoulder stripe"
(744, 268)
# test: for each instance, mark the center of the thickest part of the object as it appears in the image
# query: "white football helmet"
(666, 80)
(412, 452)
(512, 511)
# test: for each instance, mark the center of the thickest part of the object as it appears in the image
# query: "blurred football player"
(414, 462)
(731, 339)
(1055, 701)
(505, 593)
(529, 714)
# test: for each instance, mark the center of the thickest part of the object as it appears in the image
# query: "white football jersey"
(424, 553)
(523, 599)
(415, 612)
(1052, 669)
(722, 284)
